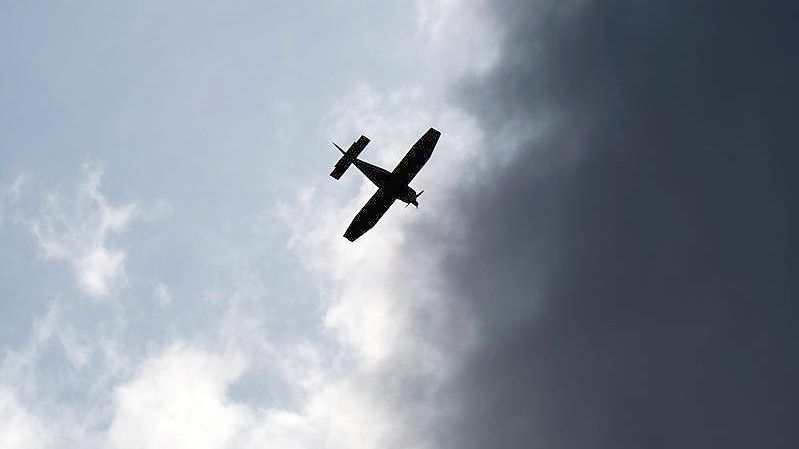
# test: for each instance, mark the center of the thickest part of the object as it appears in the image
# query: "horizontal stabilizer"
(349, 156)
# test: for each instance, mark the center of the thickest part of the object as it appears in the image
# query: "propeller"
(417, 196)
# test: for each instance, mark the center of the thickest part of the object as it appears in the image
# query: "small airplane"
(391, 186)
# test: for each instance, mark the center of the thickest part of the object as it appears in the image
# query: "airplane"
(391, 186)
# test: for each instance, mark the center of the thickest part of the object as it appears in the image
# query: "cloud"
(394, 121)
(628, 266)
(162, 294)
(612, 251)
(77, 230)
(57, 360)
(12, 193)
(14, 190)
(458, 36)
(18, 428)
(401, 339)
(179, 397)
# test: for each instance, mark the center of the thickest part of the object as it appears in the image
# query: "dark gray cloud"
(633, 268)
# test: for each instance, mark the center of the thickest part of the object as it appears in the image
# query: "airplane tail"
(349, 156)
(339, 148)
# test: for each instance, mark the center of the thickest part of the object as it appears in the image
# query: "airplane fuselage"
(385, 180)
(391, 185)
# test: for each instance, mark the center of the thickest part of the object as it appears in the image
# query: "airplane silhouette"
(391, 186)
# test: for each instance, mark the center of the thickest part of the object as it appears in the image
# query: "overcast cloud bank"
(632, 269)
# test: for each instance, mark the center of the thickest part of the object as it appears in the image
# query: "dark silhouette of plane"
(391, 186)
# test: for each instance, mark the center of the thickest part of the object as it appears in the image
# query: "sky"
(603, 258)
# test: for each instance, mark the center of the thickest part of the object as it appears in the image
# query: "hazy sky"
(603, 258)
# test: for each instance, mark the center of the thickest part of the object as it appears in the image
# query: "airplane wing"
(417, 156)
(377, 205)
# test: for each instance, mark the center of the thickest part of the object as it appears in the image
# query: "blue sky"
(174, 271)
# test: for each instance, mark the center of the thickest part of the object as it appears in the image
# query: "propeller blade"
(339, 148)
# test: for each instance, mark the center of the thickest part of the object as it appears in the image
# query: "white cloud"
(459, 36)
(383, 303)
(11, 194)
(178, 399)
(19, 429)
(25, 374)
(77, 230)
(162, 294)
(14, 190)
(20, 368)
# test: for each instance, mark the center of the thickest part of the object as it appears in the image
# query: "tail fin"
(349, 156)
